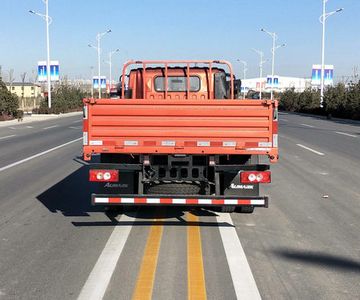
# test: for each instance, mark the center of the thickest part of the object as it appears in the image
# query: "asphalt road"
(55, 245)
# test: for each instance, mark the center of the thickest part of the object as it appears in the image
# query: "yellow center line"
(146, 277)
(195, 266)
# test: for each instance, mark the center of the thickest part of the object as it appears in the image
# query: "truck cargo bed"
(142, 126)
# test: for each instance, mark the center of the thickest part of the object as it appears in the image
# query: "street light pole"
(98, 49)
(273, 49)
(111, 53)
(245, 69)
(92, 87)
(322, 20)
(48, 66)
(48, 21)
(262, 61)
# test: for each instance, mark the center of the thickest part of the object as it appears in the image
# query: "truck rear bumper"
(178, 200)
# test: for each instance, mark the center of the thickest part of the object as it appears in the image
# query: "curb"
(39, 117)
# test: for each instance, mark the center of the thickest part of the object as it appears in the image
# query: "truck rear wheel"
(247, 209)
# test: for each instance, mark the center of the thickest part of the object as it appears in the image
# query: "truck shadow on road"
(72, 197)
(157, 216)
(320, 259)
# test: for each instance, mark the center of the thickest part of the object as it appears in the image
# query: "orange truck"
(179, 134)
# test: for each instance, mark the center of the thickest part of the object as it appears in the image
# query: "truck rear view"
(179, 135)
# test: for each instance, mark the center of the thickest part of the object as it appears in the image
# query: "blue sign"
(328, 75)
(102, 82)
(54, 71)
(270, 83)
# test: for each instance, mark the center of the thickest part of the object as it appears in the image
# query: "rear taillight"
(104, 175)
(255, 177)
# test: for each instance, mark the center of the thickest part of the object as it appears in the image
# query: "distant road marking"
(73, 127)
(145, 280)
(312, 150)
(37, 155)
(12, 128)
(195, 265)
(282, 119)
(347, 134)
(242, 277)
(6, 137)
(77, 121)
(50, 127)
(307, 125)
(29, 127)
(99, 278)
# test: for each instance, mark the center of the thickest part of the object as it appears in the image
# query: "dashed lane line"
(100, 276)
(242, 277)
(75, 127)
(50, 127)
(37, 155)
(307, 125)
(312, 150)
(77, 121)
(195, 264)
(7, 137)
(347, 134)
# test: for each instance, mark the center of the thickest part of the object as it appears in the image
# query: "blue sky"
(179, 29)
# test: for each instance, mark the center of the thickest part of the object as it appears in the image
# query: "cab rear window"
(177, 84)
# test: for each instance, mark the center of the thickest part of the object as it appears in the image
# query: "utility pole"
(322, 20)
(245, 69)
(98, 49)
(48, 21)
(262, 61)
(273, 49)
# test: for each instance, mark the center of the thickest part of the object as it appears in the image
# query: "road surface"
(306, 245)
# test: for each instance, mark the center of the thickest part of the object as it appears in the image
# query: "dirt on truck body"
(179, 135)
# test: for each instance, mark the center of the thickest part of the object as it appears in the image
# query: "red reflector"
(104, 175)
(255, 177)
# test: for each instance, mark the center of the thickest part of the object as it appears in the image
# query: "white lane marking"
(75, 127)
(12, 128)
(282, 119)
(50, 127)
(307, 125)
(347, 134)
(29, 127)
(37, 155)
(77, 121)
(99, 278)
(312, 150)
(6, 137)
(242, 277)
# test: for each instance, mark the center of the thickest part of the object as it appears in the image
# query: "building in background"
(29, 94)
(25, 89)
(281, 84)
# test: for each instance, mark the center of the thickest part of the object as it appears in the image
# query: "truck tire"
(227, 208)
(173, 189)
(247, 209)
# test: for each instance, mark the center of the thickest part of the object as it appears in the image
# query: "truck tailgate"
(180, 126)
